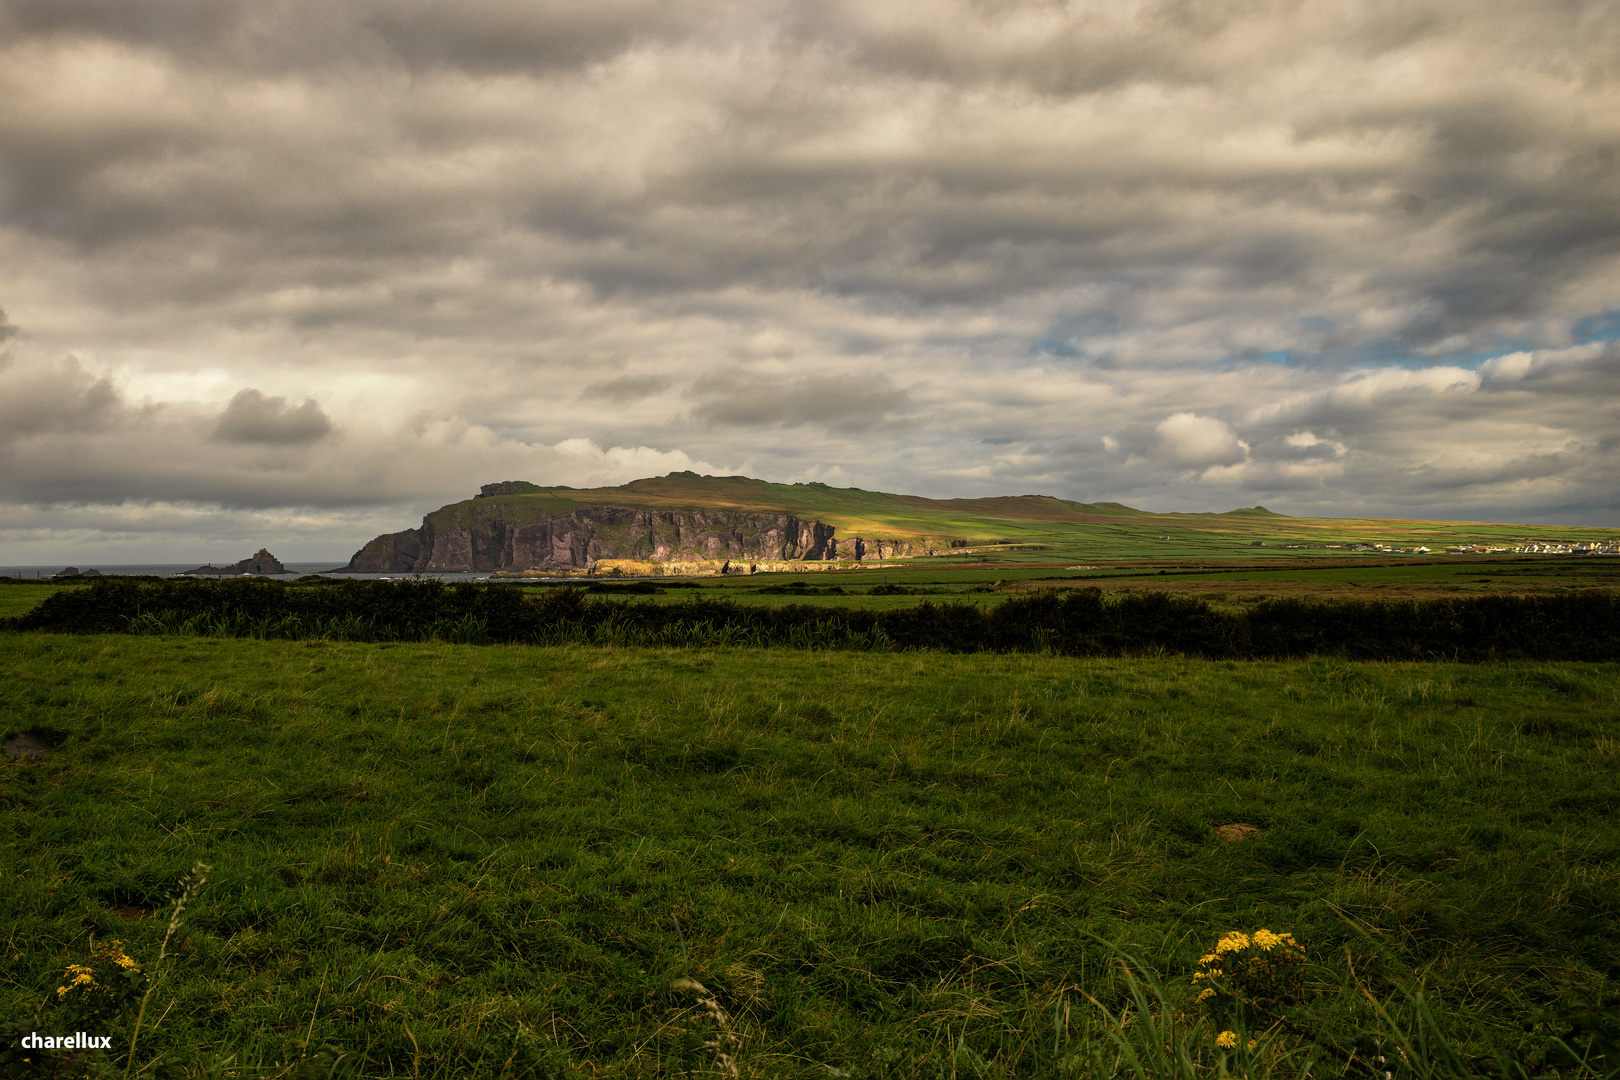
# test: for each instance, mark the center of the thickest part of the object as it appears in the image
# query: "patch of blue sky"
(1066, 336)
(1389, 352)
(1593, 328)
(1604, 327)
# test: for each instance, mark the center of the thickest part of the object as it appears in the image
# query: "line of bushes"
(1575, 626)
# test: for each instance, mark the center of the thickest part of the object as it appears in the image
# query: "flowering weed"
(96, 991)
(1250, 976)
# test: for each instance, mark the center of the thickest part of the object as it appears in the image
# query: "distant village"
(1605, 547)
(1611, 547)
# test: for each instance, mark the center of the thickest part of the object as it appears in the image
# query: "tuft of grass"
(190, 886)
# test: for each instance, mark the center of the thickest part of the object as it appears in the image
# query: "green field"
(992, 582)
(448, 860)
(939, 581)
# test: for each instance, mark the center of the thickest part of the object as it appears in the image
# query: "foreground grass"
(448, 860)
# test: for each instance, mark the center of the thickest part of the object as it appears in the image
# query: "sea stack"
(260, 562)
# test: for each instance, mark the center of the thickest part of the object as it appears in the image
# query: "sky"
(291, 273)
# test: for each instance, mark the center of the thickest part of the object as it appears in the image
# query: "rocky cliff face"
(486, 536)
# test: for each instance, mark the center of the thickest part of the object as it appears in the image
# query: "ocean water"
(171, 569)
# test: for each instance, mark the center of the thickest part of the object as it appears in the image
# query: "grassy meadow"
(894, 586)
(433, 860)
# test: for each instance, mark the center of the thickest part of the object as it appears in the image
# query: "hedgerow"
(1080, 622)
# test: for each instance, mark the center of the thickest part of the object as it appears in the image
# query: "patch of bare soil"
(132, 914)
(27, 747)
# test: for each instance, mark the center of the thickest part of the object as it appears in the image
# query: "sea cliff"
(512, 530)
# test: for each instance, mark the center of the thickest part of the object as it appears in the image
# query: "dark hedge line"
(1572, 626)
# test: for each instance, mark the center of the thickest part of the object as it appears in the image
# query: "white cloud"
(1193, 440)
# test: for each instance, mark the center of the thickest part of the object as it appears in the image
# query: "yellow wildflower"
(1267, 940)
(1227, 1039)
(1234, 941)
(1252, 1044)
(1206, 993)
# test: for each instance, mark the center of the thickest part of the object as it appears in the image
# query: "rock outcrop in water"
(260, 562)
(490, 533)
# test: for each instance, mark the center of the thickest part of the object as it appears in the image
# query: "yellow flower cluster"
(1227, 1040)
(78, 975)
(1268, 941)
(111, 958)
(1227, 962)
(117, 955)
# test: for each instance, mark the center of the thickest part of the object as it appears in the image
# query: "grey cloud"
(251, 417)
(1593, 372)
(498, 36)
(426, 209)
(844, 403)
(177, 22)
(1301, 446)
(1136, 440)
(55, 398)
(89, 448)
(763, 176)
(626, 388)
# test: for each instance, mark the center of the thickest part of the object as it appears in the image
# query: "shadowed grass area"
(450, 861)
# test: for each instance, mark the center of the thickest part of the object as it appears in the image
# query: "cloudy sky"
(292, 272)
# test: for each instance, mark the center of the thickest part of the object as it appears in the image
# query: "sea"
(294, 570)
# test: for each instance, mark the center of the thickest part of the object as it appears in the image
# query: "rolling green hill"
(1019, 528)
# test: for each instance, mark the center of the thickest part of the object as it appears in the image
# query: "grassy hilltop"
(1019, 528)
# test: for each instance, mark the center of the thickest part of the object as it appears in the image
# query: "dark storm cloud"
(253, 418)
